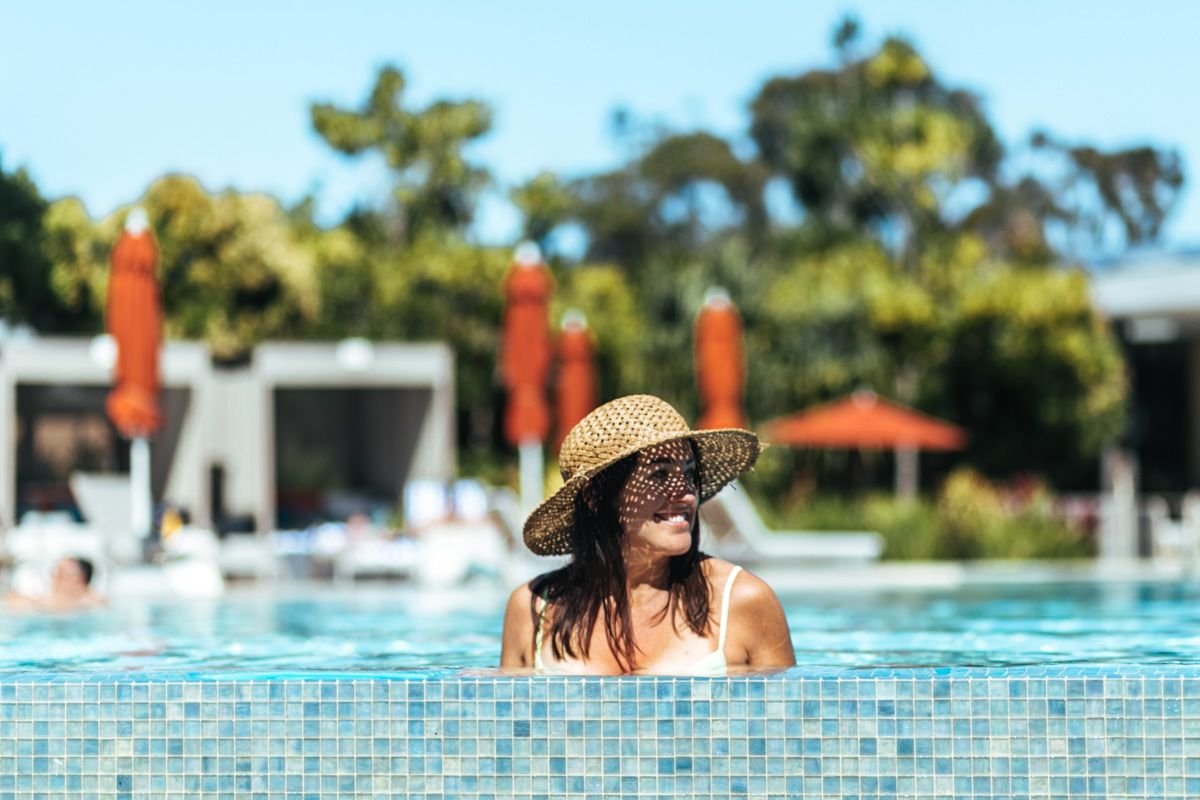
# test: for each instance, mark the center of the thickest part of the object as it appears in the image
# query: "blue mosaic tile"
(968, 732)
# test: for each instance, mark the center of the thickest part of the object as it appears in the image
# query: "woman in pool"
(638, 596)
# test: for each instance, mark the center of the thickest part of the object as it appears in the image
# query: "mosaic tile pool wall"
(1109, 732)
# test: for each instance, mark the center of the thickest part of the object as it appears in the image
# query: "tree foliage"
(545, 202)
(1136, 187)
(435, 185)
(30, 292)
(908, 218)
(878, 144)
(233, 271)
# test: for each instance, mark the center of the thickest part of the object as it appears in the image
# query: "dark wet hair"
(596, 572)
(86, 567)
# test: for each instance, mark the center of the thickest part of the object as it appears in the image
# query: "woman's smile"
(675, 518)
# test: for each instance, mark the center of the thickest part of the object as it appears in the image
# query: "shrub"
(971, 518)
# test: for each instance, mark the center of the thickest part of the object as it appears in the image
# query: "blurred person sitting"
(70, 589)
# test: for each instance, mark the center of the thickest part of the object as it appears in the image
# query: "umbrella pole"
(907, 473)
(532, 474)
(139, 484)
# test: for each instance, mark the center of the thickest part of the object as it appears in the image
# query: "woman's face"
(658, 504)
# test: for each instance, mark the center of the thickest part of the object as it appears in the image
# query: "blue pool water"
(376, 629)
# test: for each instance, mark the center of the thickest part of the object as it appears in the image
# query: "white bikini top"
(712, 664)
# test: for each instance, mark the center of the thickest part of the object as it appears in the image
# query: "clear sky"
(98, 99)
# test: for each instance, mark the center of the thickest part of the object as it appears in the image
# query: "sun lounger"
(378, 558)
(1172, 539)
(190, 563)
(104, 501)
(517, 564)
(248, 556)
(734, 530)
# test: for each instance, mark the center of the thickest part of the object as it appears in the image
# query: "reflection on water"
(394, 628)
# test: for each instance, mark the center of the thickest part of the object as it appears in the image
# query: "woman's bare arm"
(516, 643)
(758, 623)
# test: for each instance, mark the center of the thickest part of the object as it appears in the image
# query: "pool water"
(374, 629)
(1000, 625)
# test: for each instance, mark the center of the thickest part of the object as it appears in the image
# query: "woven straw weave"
(620, 428)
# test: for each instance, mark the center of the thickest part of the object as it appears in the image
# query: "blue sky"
(96, 100)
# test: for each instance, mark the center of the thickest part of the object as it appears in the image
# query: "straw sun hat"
(621, 428)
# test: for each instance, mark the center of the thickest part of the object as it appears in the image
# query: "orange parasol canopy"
(720, 362)
(575, 394)
(133, 318)
(865, 420)
(526, 349)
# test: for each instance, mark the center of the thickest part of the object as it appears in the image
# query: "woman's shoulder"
(520, 611)
(539, 586)
(718, 570)
(521, 595)
(748, 589)
(519, 626)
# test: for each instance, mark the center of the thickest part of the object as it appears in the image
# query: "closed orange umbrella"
(526, 348)
(865, 420)
(575, 394)
(720, 363)
(134, 319)
(525, 354)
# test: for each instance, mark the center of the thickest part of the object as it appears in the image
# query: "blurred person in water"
(638, 596)
(70, 589)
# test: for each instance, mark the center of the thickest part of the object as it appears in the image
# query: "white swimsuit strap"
(537, 637)
(725, 606)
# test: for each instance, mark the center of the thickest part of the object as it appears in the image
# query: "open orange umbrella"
(575, 394)
(525, 355)
(133, 318)
(865, 420)
(720, 362)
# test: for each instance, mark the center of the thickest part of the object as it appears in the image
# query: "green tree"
(880, 143)
(922, 260)
(1134, 188)
(232, 271)
(680, 195)
(1034, 374)
(615, 320)
(30, 292)
(1014, 353)
(435, 185)
(877, 144)
(545, 202)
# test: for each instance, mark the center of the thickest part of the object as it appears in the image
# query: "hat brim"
(722, 454)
